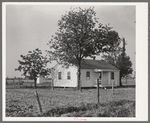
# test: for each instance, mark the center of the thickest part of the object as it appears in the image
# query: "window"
(112, 75)
(88, 75)
(59, 75)
(68, 75)
(100, 75)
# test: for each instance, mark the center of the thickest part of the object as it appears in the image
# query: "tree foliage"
(124, 66)
(120, 59)
(33, 64)
(80, 35)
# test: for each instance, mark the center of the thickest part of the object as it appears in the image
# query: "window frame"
(68, 75)
(112, 75)
(87, 73)
(59, 75)
(100, 75)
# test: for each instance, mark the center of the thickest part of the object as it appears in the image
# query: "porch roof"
(105, 70)
(97, 64)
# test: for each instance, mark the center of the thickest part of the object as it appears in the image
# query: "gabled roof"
(96, 64)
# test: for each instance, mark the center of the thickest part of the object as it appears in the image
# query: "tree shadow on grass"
(126, 86)
(110, 87)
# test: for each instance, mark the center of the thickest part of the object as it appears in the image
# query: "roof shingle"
(96, 64)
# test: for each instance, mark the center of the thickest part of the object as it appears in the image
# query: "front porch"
(107, 77)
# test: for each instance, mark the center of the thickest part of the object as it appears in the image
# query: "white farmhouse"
(91, 70)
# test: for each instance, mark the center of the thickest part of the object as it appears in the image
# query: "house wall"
(88, 82)
(64, 82)
(116, 80)
(105, 78)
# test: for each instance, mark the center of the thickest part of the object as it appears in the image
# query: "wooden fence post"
(38, 101)
(98, 91)
(112, 86)
(52, 84)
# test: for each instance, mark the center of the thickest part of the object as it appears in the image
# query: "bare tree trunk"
(37, 97)
(120, 79)
(35, 83)
(79, 75)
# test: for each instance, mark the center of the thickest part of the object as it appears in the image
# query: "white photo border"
(141, 63)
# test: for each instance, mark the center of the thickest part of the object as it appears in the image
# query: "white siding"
(109, 78)
(64, 82)
(105, 78)
(117, 78)
(88, 82)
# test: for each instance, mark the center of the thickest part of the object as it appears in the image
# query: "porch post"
(97, 91)
(112, 86)
(109, 78)
(112, 79)
(102, 78)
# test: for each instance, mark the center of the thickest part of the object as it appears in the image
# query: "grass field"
(21, 102)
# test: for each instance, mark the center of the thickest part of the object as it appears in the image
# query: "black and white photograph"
(76, 61)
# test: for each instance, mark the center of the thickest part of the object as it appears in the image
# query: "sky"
(31, 26)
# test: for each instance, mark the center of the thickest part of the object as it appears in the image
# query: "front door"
(105, 79)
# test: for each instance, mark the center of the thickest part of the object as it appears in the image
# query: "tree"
(120, 60)
(80, 35)
(32, 65)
